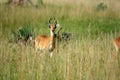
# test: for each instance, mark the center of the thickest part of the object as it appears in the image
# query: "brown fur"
(117, 43)
(43, 42)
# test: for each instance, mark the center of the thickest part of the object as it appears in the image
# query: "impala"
(116, 43)
(43, 42)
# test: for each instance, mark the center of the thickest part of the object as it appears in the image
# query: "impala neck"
(52, 34)
(52, 41)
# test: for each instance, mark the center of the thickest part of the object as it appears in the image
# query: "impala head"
(54, 25)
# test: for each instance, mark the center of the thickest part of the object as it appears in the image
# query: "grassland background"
(87, 56)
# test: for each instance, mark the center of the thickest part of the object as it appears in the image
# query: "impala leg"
(116, 49)
(114, 56)
(37, 50)
(51, 54)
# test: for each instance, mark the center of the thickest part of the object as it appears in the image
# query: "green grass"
(88, 56)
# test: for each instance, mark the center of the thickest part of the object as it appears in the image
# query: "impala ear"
(49, 22)
(57, 25)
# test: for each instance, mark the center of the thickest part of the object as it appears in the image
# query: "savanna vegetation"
(88, 55)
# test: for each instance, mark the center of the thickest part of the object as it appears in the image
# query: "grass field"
(88, 55)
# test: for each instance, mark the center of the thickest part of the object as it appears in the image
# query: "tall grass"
(84, 59)
(87, 56)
